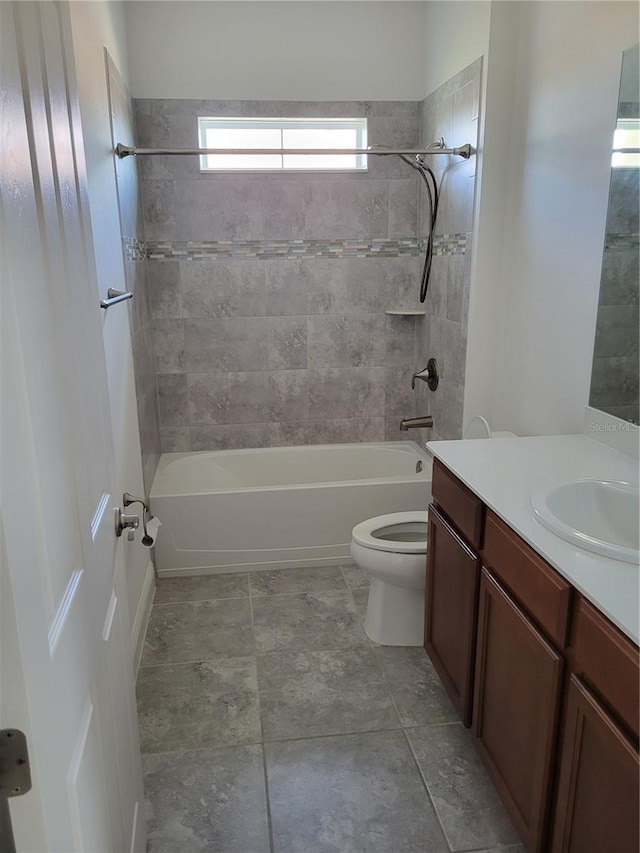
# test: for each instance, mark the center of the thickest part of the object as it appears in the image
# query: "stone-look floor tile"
(354, 576)
(309, 622)
(361, 599)
(468, 806)
(352, 793)
(304, 694)
(198, 705)
(414, 684)
(316, 579)
(201, 630)
(201, 588)
(504, 848)
(212, 801)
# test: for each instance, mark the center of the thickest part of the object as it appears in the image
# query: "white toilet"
(392, 550)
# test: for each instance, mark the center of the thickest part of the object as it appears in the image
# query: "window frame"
(359, 124)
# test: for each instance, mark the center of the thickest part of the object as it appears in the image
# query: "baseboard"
(143, 611)
(233, 569)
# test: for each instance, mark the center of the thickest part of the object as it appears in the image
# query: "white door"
(62, 574)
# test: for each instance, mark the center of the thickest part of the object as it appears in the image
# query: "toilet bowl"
(391, 550)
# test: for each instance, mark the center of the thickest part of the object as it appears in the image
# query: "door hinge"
(15, 770)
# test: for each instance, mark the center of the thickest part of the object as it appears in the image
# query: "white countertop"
(503, 472)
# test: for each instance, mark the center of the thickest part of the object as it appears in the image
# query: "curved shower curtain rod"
(438, 147)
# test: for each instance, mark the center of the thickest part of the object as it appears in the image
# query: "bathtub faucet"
(425, 422)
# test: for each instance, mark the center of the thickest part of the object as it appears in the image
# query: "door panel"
(64, 568)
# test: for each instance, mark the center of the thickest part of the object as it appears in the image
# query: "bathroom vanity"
(536, 641)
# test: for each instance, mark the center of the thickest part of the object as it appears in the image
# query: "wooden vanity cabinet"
(451, 596)
(598, 790)
(551, 685)
(598, 796)
(518, 690)
(453, 575)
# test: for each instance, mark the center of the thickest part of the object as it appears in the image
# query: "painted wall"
(565, 76)
(455, 34)
(276, 50)
(97, 25)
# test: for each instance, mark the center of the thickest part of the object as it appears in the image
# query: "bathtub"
(246, 510)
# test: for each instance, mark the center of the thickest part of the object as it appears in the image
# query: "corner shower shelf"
(406, 313)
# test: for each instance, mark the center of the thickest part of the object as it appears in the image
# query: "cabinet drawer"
(458, 503)
(543, 593)
(607, 660)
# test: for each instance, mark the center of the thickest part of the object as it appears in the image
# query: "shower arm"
(437, 147)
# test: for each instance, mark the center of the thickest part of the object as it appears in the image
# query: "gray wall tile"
(286, 351)
(204, 346)
(328, 394)
(245, 343)
(175, 439)
(208, 400)
(288, 395)
(286, 342)
(327, 341)
(287, 286)
(173, 403)
(168, 344)
(164, 290)
(366, 392)
(327, 287)
(400, 333)
(217, 288)
(366, 342)
(230, 437)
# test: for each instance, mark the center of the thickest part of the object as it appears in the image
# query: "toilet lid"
(398, 532)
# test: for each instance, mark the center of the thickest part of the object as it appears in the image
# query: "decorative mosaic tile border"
(620, 242)
(134, 250)
(444, 244)
(450, 244)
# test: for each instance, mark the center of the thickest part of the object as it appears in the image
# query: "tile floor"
(270, 723)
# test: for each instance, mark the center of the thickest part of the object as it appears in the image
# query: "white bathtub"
(240, 510)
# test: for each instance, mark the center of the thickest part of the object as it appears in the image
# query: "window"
(282, 133)
(626, 135)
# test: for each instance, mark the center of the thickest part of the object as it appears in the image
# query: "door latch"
(126, 522)
(15, 771)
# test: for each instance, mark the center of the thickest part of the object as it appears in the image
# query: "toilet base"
(395, 615)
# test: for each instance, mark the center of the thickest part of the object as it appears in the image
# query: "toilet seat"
(379, 533)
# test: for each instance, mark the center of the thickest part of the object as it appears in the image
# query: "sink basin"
(598, 515)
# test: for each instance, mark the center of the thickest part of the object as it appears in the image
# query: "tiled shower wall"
(451, 112)
(268, 292)
(132, 229)
(277, 334)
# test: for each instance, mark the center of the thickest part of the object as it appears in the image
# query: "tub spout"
(425, 422)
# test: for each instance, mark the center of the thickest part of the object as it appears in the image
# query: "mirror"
(614, 374)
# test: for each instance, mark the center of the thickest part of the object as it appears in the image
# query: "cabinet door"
(453, 572)
(598, 791)
(516, 703)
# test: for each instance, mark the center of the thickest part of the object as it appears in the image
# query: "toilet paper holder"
(127, 500)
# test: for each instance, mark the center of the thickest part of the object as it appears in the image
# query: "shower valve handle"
(429, 374)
